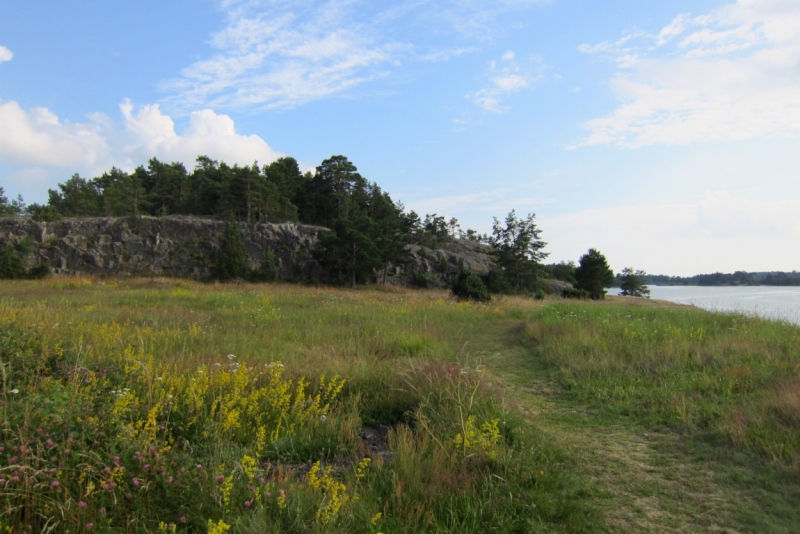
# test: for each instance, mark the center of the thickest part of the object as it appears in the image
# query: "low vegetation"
(161, 405)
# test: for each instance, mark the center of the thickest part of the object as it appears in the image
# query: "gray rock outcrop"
(162, 246)
(188, 246)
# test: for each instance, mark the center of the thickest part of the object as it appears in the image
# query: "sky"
(665, 134)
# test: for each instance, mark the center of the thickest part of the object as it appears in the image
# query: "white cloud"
(719, 232)
(280, 54)
(505, 78)
(728, 75)
(5, 54)
(37, 139)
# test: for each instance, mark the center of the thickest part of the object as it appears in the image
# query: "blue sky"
(666, 134)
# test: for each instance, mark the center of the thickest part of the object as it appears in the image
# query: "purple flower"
(89, 526)
(102, 511)
(135, 481)
(199, 466)
(56, 483)
(49, 444)
(82, 505)
(169, 481)
(247, 504)
(39, 430)
(220, 479)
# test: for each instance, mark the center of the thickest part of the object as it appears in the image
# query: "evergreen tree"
(518, 248)
(348, 251)
(593, 274)
(232, 260)
(633, 283)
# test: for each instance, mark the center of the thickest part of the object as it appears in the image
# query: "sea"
(779, 303)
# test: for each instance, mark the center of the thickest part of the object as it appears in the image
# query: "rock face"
(188, 246)
(171, 246)
(439, 267)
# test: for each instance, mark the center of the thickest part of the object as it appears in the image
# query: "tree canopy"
(593, 274)
(633, 283)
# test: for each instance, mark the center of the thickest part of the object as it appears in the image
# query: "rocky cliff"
(188, 246)
(170, 246)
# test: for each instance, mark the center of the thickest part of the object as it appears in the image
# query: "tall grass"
(141, 406)
(725, 375)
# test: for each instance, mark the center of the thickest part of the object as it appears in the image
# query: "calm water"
(771, 302)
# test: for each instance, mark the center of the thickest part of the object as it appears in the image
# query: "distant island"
(738, 278)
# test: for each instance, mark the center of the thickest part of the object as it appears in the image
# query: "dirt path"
(645, 482)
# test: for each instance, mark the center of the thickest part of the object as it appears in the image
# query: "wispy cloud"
(5, 54)
(281, 54)
(505, 77)
(728, 75)
(495, 201)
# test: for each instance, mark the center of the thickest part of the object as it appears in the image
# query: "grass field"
(162, 405)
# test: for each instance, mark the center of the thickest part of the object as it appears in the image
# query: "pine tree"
(232, 259)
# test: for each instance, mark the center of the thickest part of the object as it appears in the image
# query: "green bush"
(469, 285)
(574, 293)
(12, 263)
(497, 282)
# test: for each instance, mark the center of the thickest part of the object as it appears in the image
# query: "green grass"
(516, 416)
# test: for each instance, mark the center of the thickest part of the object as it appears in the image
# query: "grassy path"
(646, 481)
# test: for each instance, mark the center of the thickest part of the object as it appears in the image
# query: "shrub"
(468, 285)
(497, 282)
(539, 294)
(575, 293)
(40, 270)
(12, 264)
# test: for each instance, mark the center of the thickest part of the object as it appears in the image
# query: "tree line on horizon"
(368, 230)
(738, 278)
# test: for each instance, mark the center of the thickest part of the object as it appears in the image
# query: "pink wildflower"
(89, 526)
(135, 481)
(49, 444)
(247, 504)
(183, 519)
(102, 511)
(220, 479)
(82, 505)
(39, 430)
(56, 483)
(199, 466)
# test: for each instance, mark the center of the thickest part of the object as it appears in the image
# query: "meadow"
(137, 405)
